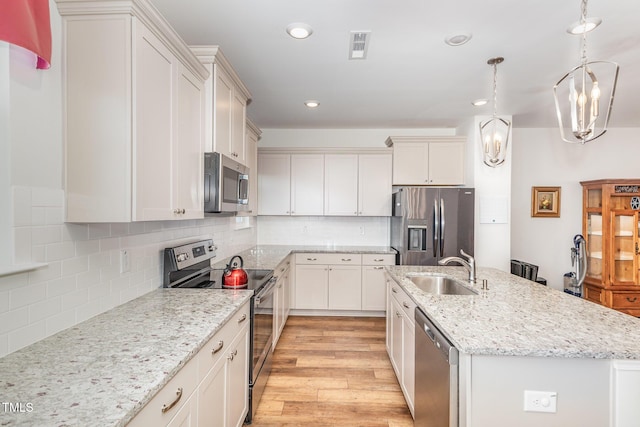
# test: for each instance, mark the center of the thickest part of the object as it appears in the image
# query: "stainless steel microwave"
(226, 184)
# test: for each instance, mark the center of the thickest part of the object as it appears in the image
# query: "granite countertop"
(269, 256)
(103, 371)
(518, 317)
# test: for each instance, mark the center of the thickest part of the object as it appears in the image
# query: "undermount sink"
(441, 285)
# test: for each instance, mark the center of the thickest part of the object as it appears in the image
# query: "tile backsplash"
(82, 277)
(323, 230)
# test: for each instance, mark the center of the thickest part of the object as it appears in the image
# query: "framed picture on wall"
(545, 202)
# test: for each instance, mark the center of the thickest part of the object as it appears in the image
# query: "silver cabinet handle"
(378, 268)
(398, 314)
(233, 354)
(166, 408)
(379, 259)
(346, 259)
(218, 348)
(312, 259)
(405, 305)
(394, 290)
(242, 319)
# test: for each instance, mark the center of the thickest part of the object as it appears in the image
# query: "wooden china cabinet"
(611, 227)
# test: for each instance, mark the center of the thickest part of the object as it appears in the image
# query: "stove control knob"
(182, 257)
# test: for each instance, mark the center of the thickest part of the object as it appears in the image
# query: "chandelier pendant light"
(494, 133)
(584, 96)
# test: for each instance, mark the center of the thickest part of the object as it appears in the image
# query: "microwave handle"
(243, 190)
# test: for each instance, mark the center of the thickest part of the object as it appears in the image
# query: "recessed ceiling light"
(479, 102)
(312, 103)
(578, 27)
(458, 39)
(299, 30)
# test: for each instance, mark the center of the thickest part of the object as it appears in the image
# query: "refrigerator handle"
(436, 226)
(442, 228)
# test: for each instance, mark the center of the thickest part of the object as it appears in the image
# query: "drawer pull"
(242, 319)
(378, 268)
(634, 299)
(379, 259)
(394, 290)
(166, 408)
(398, 314)
(233, 354)
(346, 259)
(312, 259)
(218, 348)
(405, 305)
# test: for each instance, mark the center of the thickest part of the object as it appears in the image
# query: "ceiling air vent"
(358, 44)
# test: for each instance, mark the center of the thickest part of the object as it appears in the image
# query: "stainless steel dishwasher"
(436, 376)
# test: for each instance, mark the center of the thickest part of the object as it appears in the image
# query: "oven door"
(262, 326)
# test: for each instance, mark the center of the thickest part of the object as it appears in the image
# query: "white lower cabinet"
(212, 389)
(312, 287)
(345, 287)
(374, 286)
(400, 339)
(282, 299)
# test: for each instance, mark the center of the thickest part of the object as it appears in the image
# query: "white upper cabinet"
(374, 184)
(428, 160)
(133, 115)
(226, 105)
(251, 156)
(341, 184)
(274, 184)
(307, 184)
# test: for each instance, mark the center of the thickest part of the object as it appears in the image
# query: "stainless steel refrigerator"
(431, 223)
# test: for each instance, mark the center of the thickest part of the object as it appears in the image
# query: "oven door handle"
(266, 291)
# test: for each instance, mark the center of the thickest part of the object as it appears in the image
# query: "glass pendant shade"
(584, 97)
(495, 138)
(494, 133)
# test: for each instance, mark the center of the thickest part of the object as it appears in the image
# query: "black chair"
(527, 270)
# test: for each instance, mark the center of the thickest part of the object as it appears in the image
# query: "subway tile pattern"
(82, 277)
(103, 371)
(518, 317)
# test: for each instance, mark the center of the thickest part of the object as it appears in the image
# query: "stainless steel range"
(189, 266)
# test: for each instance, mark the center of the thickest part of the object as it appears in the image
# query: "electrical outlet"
(125, 262)
(540, 401)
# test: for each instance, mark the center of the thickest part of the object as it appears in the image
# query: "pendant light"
(494, 133)
(584, 96)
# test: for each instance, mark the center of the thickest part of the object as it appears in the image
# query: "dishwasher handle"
(446, 348)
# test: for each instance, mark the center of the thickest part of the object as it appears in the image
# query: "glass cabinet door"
(594, 246)
(624, 249)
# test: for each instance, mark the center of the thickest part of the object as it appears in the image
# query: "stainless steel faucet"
(469, 264)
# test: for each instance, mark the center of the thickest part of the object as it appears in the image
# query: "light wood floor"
(332, 371)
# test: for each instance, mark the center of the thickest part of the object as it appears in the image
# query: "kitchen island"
(519, 335)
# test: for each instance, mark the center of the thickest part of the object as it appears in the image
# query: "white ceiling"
(411, 78)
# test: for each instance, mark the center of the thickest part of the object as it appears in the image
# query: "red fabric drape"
(26, 23)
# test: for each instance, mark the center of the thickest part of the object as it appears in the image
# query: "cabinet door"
(238, 123)
(211, 396)
(237, 397)
(278, 310)
(624, 226)
(187, 147)
(395, 343)
(222, 111)
(374, 184)
(307, 184)
(410, 163)
(274, 184)
(251, 158)
(312, 291)
(154, 81)
(374, 288)
(408, 360)
(446, 163)
(187, 415)
(345, 287)
(341, 184)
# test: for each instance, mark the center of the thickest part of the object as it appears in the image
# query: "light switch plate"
(540, 401)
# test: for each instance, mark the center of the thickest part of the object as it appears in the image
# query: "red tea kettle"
(234, 276)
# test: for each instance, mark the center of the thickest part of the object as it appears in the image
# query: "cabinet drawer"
(173, 395)
(378, 259)
(593, 294)
(403, 300)
(626, 300)
(219, 344)
(344, 259)
(283, 266)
